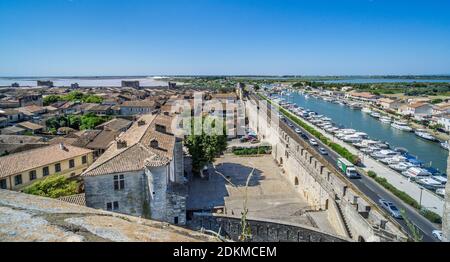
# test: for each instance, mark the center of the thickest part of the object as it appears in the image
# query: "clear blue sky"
(144, 37)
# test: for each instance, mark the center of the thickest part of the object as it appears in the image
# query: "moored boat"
(385, 119)
(401, 126)
(425, 135)
(366, 110)
(445, 145)
(376, 114)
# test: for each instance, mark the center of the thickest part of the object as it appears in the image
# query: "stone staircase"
(344, 219)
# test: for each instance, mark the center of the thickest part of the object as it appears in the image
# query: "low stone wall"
(261, 230)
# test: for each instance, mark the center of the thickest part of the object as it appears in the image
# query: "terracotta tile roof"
(30, 126)
(65, 140)
(20, 162)
(79, 199)
(417, 104)
(103, 139)
(386, 100)
(17, 139)
(363, 94)
(11, 130)
(115, 124)
(138, 151)
(139, 103)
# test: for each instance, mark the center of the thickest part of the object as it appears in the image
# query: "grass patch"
(252, 151)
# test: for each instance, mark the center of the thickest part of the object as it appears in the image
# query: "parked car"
(437, 234)
(323, 151)
(304, 136)
(290, 124)
(390, 208)
(298, 131)
(313, 142)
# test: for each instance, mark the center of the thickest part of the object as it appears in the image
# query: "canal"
(430, 153)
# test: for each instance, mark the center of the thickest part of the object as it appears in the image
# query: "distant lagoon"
(83, 82)
(383, 80)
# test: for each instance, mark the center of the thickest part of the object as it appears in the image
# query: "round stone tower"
(446, 216)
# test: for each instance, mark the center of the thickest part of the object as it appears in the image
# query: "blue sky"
(145, 37)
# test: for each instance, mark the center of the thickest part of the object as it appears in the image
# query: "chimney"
(154, 144)
(121, 144)
(62, 146)
(160, 128)
(141, 122)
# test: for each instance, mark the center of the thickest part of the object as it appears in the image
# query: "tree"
(51, 99)
(204, 148)
(53, 186)
(92, 99)
(89, 121)
(437, 101)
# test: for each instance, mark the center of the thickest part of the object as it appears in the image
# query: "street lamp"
(420, 199)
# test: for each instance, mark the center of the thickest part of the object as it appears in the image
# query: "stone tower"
(446, 216)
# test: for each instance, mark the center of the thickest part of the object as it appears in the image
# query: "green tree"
(437, 101)
(54, 186)
(92, 99)
(204, 148)
(51, 99)
(89, 121)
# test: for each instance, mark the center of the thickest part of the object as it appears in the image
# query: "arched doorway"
(361, 239)
(296, 181)
(281, 160)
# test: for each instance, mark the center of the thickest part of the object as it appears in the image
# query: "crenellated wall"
(320, 184)
(261, 230)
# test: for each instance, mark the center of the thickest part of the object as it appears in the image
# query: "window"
(32, 175)
(71, 163)
(3, 184)
(119, 182)
(58, 167)
(175, 220)
(112, 206)
(18, 180)
(45, 171)
(84, 160)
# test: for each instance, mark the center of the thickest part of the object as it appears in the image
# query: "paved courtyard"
(269, 195)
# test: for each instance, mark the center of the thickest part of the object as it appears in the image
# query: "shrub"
(372, 174)
(252, 151)
(54, 186)
(430, 215)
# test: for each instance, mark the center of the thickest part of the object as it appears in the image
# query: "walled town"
(280, 171)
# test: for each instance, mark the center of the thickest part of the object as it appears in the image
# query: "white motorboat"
(386, 120)
(441, 179)
(366, 150)
(400, 167)
(445, 145)
(429, 183)
(425, 135)
(416, 172)
(352, 139)
(382, 145)
(401, 126)
(389, 161)
(366, 110)
(383, 154)
(362, 135)
(440, 191)
(375, 114)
